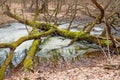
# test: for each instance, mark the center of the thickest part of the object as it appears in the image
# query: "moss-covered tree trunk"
(28, 62)
(5, 64)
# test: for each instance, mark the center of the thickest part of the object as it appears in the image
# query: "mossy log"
(25, 38)
(81, 35)
(28, 62)
(5, 64)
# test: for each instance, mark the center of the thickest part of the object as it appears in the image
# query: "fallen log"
(5, 64)
(28, 62)
(68, 34)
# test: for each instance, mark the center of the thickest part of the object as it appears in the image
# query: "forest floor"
(85, 69)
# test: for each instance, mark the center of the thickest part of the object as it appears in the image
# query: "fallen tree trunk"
(68, 34)
(5, 64)
(28, 62)
(25, 38)
(81, 35)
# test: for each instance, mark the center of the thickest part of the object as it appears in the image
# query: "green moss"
(26, 78)
(28, 64)
(82, 34)
(106, 42)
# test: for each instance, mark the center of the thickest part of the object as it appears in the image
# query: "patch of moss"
(26, 78)
(106, 42)
(28, 64)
